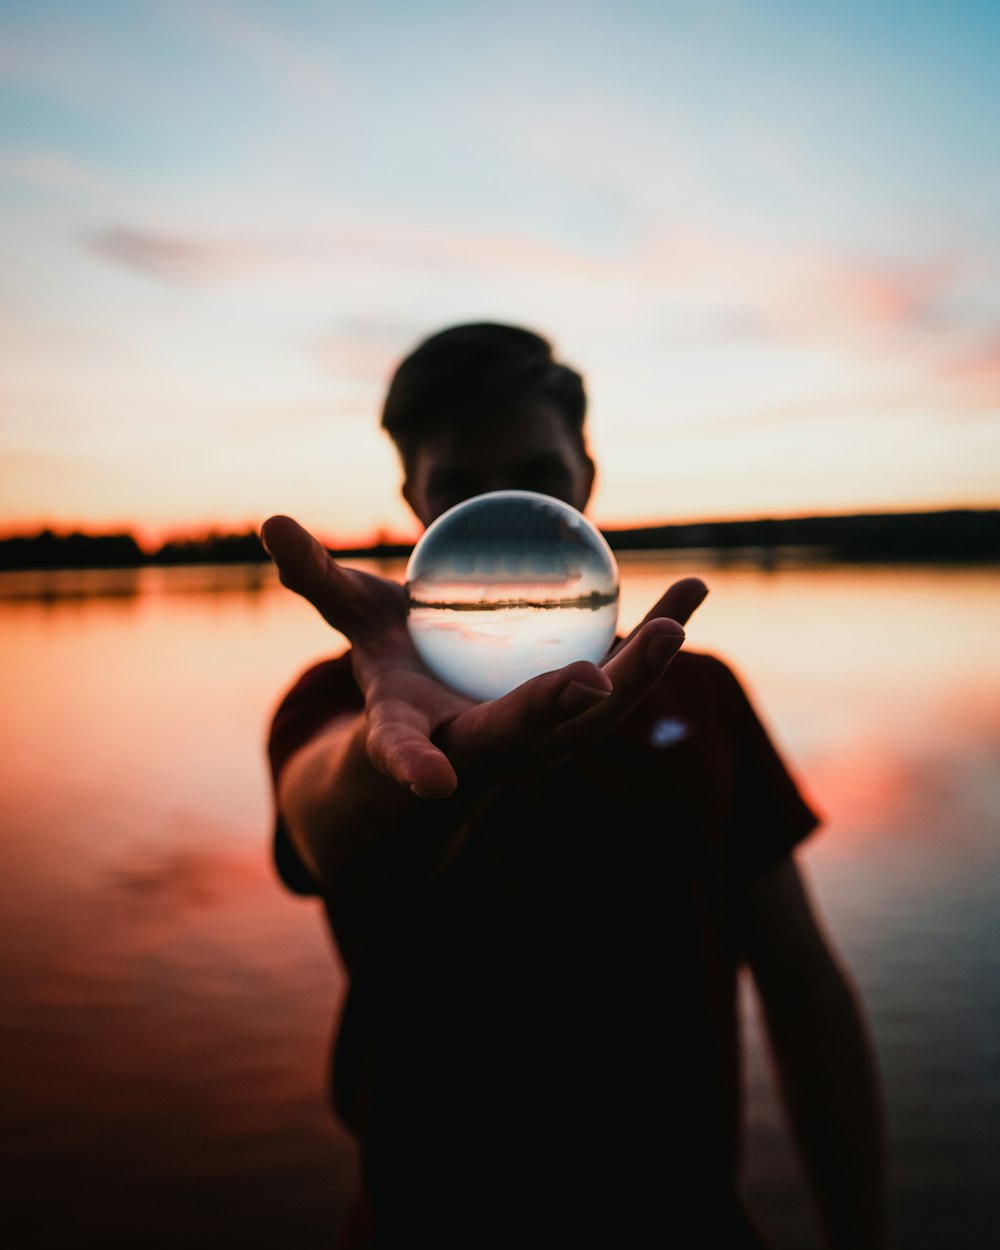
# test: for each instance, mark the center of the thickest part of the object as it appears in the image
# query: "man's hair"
(469, 373)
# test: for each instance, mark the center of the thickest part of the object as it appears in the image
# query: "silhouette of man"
(543, 900)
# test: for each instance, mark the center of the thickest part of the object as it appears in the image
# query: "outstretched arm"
(355, 799)
(824, 1059)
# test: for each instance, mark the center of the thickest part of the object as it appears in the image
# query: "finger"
(306, 567)
(677, 604)
(399, 746)
(490, 734)
(633, 671)
(642, 661)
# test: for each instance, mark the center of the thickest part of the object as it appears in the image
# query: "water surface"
(169, 1008)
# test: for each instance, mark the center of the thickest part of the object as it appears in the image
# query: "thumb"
(306, 567)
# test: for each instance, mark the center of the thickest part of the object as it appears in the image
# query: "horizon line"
(382, 537)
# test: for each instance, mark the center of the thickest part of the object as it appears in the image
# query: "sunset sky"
(768, 233)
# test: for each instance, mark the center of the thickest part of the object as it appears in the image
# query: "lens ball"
(506, 586)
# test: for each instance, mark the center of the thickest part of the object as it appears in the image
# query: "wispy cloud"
(179, 259)
(796, 294)
(328, 252)
(734, 288)
(897, 321)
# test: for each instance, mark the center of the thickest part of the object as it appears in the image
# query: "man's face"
(530, 448)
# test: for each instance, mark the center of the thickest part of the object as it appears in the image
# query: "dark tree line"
(47, 550)
(953, 535)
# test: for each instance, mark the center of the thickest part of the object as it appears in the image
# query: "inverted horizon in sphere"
(509, 585)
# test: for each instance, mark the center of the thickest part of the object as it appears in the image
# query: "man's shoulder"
(694, 674)
(325, 669)
(334, 673)
(321, 692)
(698, 665)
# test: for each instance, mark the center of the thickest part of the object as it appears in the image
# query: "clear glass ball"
(509, 585)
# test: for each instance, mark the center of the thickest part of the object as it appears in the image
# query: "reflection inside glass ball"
(506, 586)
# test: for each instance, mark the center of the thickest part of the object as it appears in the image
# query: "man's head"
(485, 407)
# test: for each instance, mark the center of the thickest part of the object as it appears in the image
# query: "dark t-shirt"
(549, 1025)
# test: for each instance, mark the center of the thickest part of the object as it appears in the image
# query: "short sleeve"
(769, 816)
(321, 693)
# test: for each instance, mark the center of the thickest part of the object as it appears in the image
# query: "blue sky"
(767, 233)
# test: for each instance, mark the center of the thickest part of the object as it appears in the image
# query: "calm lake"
(168, 1007)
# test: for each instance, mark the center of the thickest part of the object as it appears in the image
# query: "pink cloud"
(328, 253)
(750, 291)
(797, 294)
(970, 382)
(176, 258)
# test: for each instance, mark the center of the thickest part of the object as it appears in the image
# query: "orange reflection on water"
(170, 1007)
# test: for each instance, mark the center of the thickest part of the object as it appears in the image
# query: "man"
(543, 900)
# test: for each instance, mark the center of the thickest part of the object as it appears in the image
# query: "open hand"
(425, 735)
